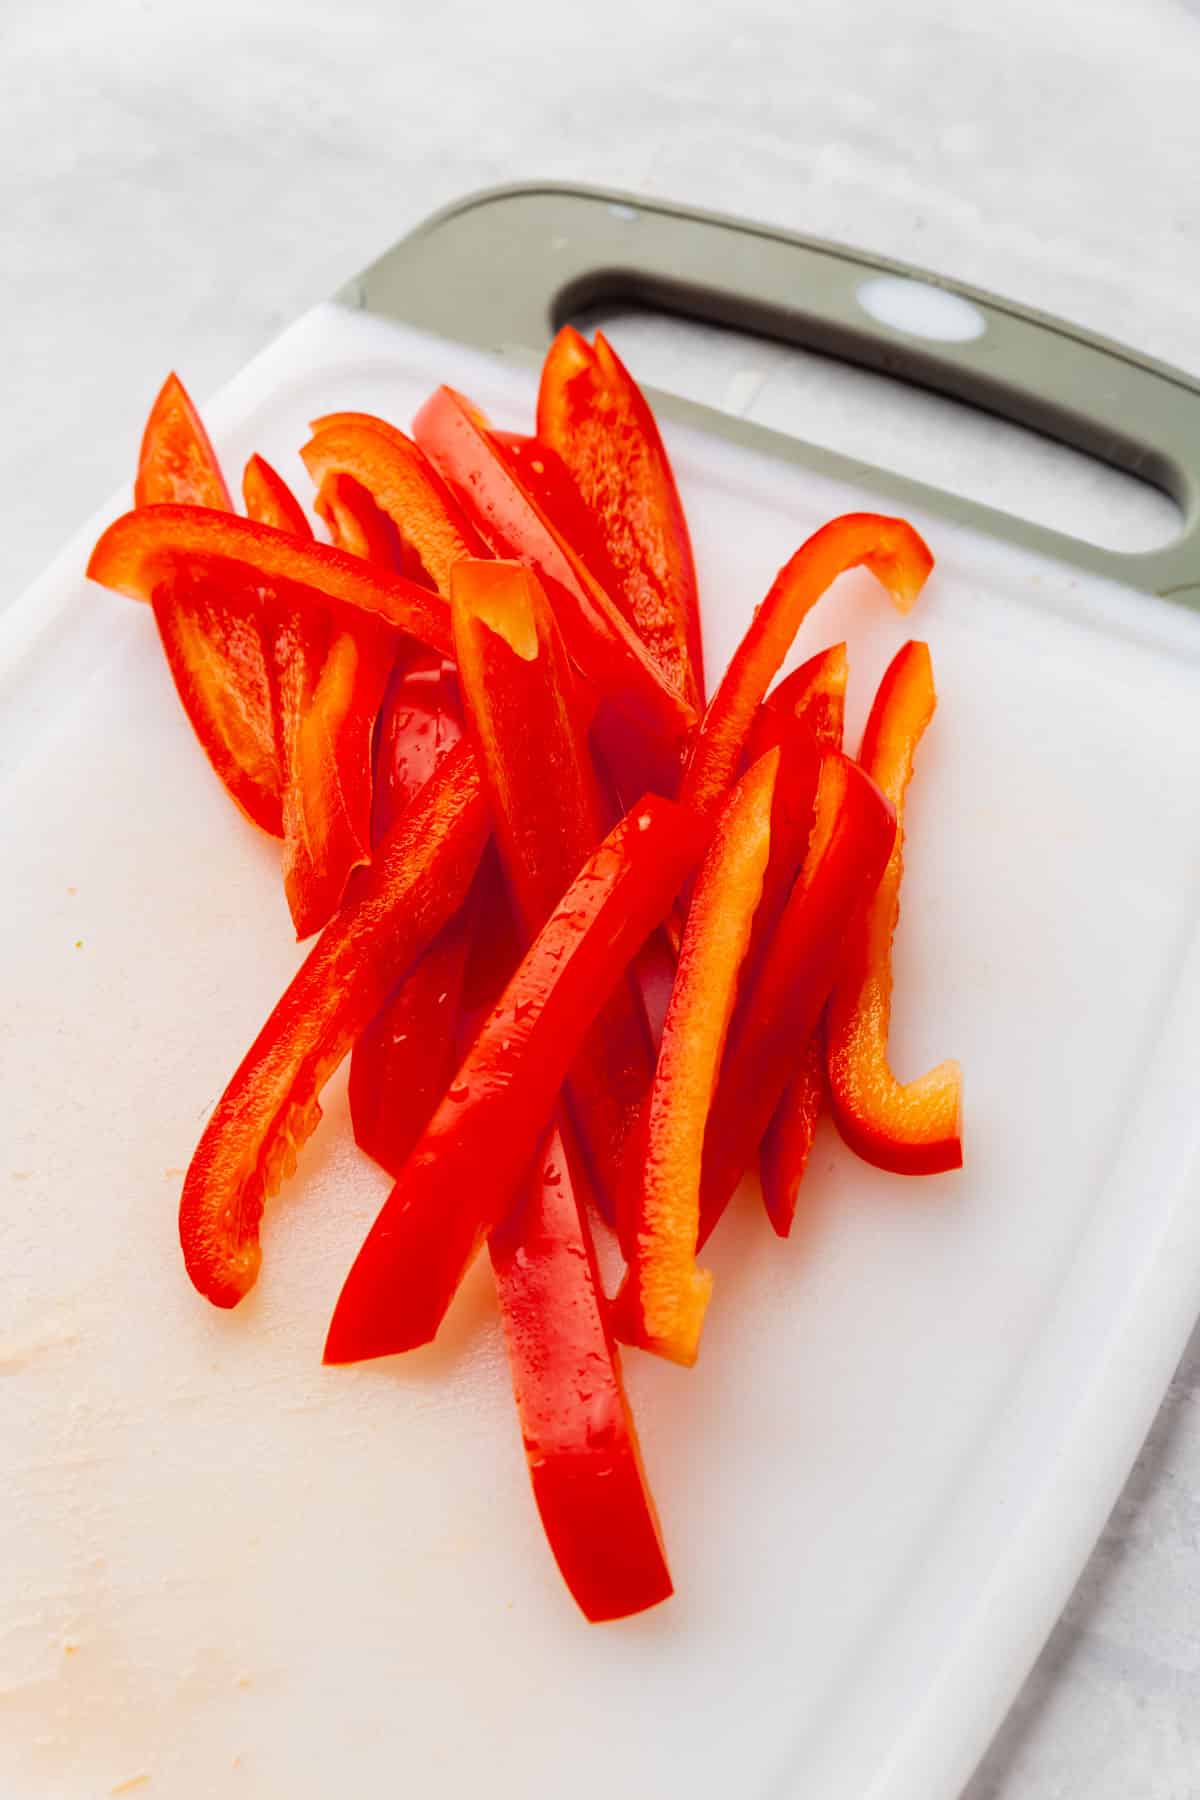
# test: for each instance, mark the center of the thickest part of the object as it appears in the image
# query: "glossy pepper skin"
(592, 412)
(814, 695)
(663, 1300)
(893, 552)
(852, 838)
(396, 907)
(356, 524)
(402, 484)
(461, 1178)
(599, 639)
(328, 684)
(581, 1447)
(268, 498)
(155, 546)
(403, 1060)
(912, 1128)
(529, 723)
(219, 657)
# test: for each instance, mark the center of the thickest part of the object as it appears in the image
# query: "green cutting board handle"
(502, 269)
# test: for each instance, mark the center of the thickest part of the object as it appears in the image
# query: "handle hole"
(880, 419)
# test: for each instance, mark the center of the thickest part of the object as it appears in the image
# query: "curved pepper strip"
(355, 523)
(592, 412)
(580, 1443)
(599, 639)
(815, 695)
(912, 1128)
(893, 552)
(461, 1179)
(852, 839)
(529, 726)
(395, 908)
(268, 498)
(403, 1060)
(664, 1297)
(403, 485)
(149, 549)
(219, 657)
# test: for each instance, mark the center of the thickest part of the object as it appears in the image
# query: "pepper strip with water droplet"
(462, 1177)
(529, 722)
(664, 1296)
(912, 1128)
(581, 1447)
(395, 907)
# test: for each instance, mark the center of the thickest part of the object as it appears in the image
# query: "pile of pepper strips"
(476, 719)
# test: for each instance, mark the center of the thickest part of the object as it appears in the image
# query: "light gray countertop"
(179, 181)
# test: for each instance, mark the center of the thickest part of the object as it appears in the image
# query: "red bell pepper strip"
(269, 499)
(580, 1442)
(912, 1128)
(355, 523)
(403, 1061)
(219, 658)
(664, 1297)
(788, 1140)
(600, 641)
(153, 547)
(852, 839)
(328, 686)
(893, 552)
(395, 908)
(529, 726)
(592, 412)
(815, 694)
(401, 482)
(460, 1180)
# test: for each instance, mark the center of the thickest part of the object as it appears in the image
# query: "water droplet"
(459, 1092)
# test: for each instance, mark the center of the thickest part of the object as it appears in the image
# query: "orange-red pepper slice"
(853, 833)
(219, 657)
(815, 695)
(460, 1180)
(269, 499)
(600, 641)
(400, 480)
(396, 907)
(663, 1300)
(155, 546)
(912, 1128)
(529, 725)
(580, 1444)
(592, 412)
(893, 552)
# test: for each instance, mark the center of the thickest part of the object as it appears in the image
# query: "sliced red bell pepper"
(814, 694)
(219, 658)
(664, 1297)
(270, 500)
(912, 1128)
(580, 1442)
(150, 549)
(356, 524)
(329, 682)
(461, 1178)
(893, 552)
(529, 726)
(599, 639)
(402, 1062)
(395, 908)
(592, 412)
(852, 839)
(400, 480)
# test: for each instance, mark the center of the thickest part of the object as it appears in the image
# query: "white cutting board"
(227, 1570)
